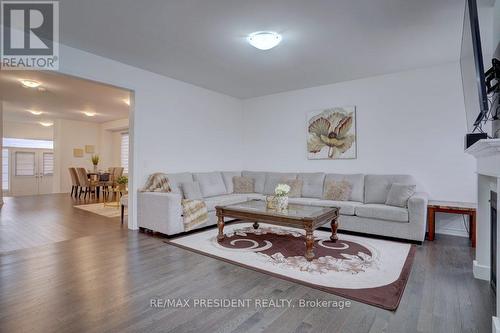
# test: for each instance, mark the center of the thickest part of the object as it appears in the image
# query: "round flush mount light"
(30, 83)
(264, 40)
(46, 123)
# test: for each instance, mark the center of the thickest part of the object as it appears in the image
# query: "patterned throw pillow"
(295, 187)
(337, 190)
(243, 184)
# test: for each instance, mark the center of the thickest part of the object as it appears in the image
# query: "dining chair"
(75, 184)
(85, 183)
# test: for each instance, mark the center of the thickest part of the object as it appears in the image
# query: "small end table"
(462, 208)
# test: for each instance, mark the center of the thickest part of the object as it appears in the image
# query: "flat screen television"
(472, 68)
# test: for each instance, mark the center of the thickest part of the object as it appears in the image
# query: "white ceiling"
(324, 41)
(63, 97)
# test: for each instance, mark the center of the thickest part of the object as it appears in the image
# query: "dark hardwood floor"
(67, 270)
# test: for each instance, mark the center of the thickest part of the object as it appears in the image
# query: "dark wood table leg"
(335, 226)
(431, 215)
(122, 213)
(472, 228)
(309, 244)
(220, 225)
(256, 225)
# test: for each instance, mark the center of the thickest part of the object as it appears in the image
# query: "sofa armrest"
(161, 212)
(417, 210)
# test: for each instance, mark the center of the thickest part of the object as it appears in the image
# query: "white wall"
(1, 147)
(410, 122)
(19, 130)
(175, 126)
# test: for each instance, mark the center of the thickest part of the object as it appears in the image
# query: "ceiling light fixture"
(89, 113)
(36, 113)
(264, 40)
(30, 83)
(46, 123)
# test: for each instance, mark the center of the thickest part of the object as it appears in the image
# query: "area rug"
(367, 270)
(100, 209)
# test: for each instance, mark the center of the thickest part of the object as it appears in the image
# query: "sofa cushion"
(227, 176)
(256, 196)
(274, 178)
(377, 186)
(175, 180)
(382, 212)
(312, 184)
(259, 178)
(346, 207)
(356, 180)
(399, 194)
(300, 201)
(211, 183)
(191, 191)
(226, 199)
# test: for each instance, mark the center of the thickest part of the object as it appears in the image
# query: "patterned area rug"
(100, 209)
(367, 270)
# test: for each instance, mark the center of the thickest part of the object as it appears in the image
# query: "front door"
(31, 171)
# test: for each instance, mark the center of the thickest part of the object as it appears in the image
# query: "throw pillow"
(399, 194)
(191, 191)
(337, 190)
(295, 187)
(243, 184)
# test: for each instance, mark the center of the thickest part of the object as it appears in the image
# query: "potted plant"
(122, 183)
(95, 161)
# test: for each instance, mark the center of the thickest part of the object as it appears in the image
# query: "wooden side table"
(462, 208)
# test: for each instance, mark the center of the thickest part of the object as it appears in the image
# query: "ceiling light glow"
(36, 113)
(46, 123)
(264, 40)
(89, 113)
(30, 83)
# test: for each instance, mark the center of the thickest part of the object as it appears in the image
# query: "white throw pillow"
(399, 194)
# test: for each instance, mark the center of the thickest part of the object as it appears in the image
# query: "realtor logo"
(30, 35)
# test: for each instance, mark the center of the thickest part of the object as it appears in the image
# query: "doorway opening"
(58, 123)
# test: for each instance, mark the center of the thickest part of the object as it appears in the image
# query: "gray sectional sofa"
(364, 212)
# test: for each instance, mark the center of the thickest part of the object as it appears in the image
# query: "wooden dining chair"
(75, 184)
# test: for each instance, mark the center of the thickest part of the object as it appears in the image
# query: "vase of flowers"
(281, 196)
(95, 162)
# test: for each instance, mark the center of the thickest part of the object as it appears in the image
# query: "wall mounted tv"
(471, 65)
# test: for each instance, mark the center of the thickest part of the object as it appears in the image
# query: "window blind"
(25, 164)
(124, 152)
(48, 164)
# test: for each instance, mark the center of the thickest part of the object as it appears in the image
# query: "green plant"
(123, 180)
(95, 159)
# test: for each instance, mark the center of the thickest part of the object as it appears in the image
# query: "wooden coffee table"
(304, 217)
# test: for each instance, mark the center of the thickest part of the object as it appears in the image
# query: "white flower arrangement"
(282, 190)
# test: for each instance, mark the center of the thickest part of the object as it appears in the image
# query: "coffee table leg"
(220, 225)
(256, 225)
(309, 244)
(335, 226)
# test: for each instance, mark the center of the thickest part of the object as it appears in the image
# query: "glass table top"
(293, 211)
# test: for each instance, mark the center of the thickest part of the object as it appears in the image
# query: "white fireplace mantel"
(487, 154)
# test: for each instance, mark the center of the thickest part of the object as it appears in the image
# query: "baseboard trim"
(480, 272)
(495, 325)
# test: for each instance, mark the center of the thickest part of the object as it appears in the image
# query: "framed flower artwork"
(331, 133)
